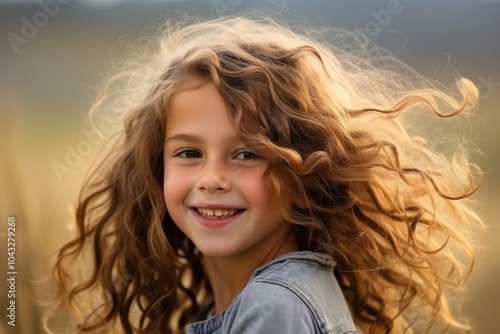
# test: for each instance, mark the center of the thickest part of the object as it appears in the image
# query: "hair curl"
(329, 117)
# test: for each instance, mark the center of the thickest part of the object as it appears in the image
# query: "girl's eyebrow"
(192, 138)
(184, 137)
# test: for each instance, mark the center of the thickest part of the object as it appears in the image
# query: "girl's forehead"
(199, 109)
(188, 84)
(202, 97)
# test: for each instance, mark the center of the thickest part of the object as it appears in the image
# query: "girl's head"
(246, 119)
(286, 101)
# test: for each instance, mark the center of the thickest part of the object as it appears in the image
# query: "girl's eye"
(247, 155)
(189, 154)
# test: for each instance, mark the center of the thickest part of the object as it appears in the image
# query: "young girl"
(266, 182)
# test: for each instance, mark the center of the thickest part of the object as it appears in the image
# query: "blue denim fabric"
(295, 293)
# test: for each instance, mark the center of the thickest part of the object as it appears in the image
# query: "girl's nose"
(214, 178)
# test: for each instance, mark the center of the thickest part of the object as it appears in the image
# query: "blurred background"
(54, 53)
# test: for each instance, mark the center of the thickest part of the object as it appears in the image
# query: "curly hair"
(327, 110)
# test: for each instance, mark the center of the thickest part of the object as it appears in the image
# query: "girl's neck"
(229, 275)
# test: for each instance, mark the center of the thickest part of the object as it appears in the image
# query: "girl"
(266, 182)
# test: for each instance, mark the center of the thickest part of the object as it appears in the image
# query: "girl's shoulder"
(296, 292)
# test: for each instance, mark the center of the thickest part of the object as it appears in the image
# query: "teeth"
(215, 212)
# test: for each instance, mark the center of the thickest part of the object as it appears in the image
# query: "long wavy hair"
(328, 110)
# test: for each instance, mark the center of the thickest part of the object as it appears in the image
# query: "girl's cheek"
(254, 185)
(175, 181)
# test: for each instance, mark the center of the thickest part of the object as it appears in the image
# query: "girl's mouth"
(217, 213)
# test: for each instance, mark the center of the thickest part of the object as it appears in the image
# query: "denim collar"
(324, 260)
(212, 323)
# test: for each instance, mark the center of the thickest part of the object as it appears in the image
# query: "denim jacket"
(295, 293)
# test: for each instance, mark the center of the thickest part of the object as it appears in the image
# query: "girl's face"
(214, 184)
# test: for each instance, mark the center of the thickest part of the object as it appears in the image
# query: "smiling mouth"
(217, 213)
